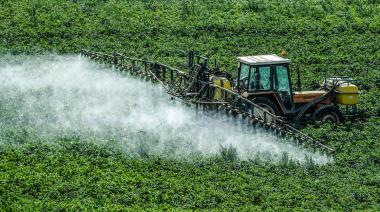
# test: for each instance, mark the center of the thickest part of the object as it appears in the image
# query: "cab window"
(264, 78)
(244, 74)
(252, 79)
(282, 85)
(282, 79)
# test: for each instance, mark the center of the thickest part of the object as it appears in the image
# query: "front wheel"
(329, 114)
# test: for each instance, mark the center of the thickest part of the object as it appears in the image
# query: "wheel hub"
(332, 117)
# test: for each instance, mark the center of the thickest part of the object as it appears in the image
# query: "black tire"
(328, 113)
(267, 104)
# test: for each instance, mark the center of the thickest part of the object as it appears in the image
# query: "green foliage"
(330, 37)
(228, 153)
(85, 175)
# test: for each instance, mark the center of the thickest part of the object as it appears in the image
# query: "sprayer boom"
(206, 89)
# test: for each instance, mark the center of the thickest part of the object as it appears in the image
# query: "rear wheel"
(329, 114)
(267, 105)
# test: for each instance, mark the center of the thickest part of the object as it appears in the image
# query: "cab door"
(282, 85)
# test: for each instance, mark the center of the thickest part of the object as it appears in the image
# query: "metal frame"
(350, 111)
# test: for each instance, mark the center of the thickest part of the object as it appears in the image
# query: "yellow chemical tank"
(347, 94)
(222, 82)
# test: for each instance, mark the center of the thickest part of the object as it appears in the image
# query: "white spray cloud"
(68, 94)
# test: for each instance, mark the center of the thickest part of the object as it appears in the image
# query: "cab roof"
(263, 59)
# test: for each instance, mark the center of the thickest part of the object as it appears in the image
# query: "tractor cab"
(265, 79)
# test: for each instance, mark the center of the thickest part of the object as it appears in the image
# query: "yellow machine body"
(347, 94)
(222, 82)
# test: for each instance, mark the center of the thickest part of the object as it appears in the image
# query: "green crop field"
(71, 171)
